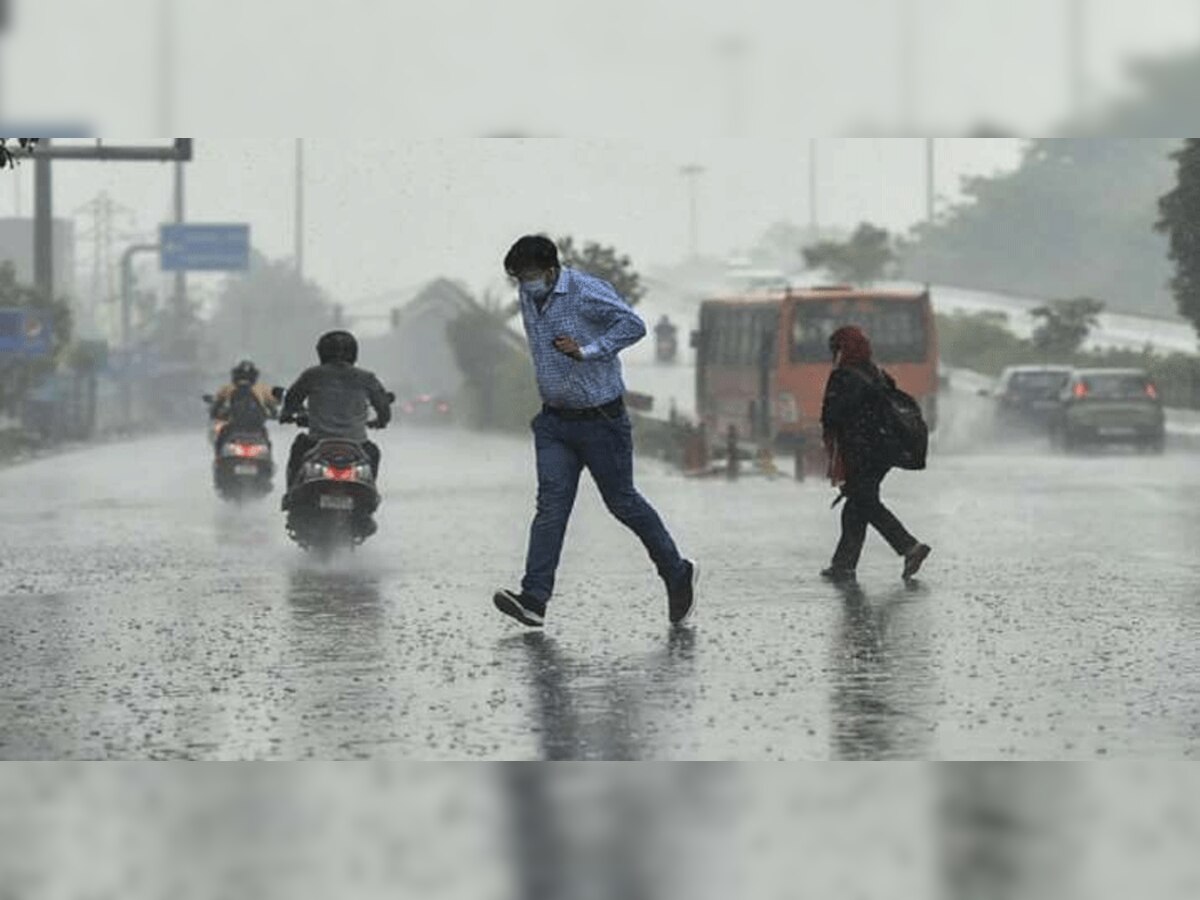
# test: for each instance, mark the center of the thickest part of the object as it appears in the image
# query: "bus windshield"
(896, 328)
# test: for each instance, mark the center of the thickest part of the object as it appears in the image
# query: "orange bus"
(762, 360)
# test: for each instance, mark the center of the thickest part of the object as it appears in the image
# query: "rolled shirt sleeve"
(622, 326)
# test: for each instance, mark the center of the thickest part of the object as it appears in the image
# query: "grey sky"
(623, 68)
(384, 214)
(644, 78)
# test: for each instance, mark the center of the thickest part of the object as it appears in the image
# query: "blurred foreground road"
(1058, 618)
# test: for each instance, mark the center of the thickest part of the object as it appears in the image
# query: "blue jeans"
(605, 448)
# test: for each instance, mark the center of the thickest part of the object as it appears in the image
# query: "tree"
(18, 375)
(271, 315)
(1179, 211)
(1065, 324)
(6, 155)
(866, 257)
(1075, 218)
(500, 385)
(604, 262)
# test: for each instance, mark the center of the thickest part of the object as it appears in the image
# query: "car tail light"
(1080, 390)
(333, 473)
(407, 407)
(442, 407)
(1151, 391)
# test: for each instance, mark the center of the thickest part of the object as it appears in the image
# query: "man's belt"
(611, 410)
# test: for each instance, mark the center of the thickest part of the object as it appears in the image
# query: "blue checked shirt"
(589, 310)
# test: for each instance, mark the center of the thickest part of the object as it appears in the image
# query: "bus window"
(896, 329)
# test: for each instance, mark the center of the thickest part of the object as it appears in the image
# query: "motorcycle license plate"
(335, 501)
(245, 469)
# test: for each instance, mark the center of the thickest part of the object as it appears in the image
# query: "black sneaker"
(838, 575)
(522, 607)
(914, 559)
(681, 601)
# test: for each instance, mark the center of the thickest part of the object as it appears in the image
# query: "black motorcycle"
(331, 505)
(243, 466)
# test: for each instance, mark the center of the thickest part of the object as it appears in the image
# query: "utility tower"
(107, 218)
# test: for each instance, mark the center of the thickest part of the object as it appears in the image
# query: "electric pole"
(104, 212)
(692, 173)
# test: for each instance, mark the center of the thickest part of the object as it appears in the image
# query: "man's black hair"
(533, 251)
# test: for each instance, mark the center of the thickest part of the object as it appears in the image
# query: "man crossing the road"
(576, 325)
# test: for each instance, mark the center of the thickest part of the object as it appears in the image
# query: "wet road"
(1058, 619)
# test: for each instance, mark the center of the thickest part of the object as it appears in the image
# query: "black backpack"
(244, 409)
(903, 434)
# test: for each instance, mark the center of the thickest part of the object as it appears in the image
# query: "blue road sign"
(23, 332)
(204, 248)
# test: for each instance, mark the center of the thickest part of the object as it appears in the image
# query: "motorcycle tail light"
(334, 473)
(249, 451)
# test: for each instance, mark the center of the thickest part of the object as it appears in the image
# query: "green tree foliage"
(1074, 219)
(7, 158)
(270, 315)
(1065, 324)
(983, 343)
(1179, 219)
(500, 387)
(865, 257)
(780, 246)
(17, 376)
(604, 262)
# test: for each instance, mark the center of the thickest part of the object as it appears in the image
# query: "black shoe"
(838, 575)
(681, 601)
(522, 607)
(914, 559)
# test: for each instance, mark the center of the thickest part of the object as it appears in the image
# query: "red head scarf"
(851, 346)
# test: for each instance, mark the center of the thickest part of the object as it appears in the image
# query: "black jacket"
(338, 395)
(851, 415)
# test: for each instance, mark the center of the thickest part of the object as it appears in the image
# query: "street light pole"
(299, 225)
(814, 222)
(1076, 38)
(930, 180)
(908, 66)
(692, 173)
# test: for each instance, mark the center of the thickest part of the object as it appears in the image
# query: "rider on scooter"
(338, 395)
(243, 405)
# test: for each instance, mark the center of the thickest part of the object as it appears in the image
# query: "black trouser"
(862, 508)
(304, 442)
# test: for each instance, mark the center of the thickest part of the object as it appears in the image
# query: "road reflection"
(881, 675)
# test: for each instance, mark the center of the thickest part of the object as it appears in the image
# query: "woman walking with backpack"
(855, 421)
